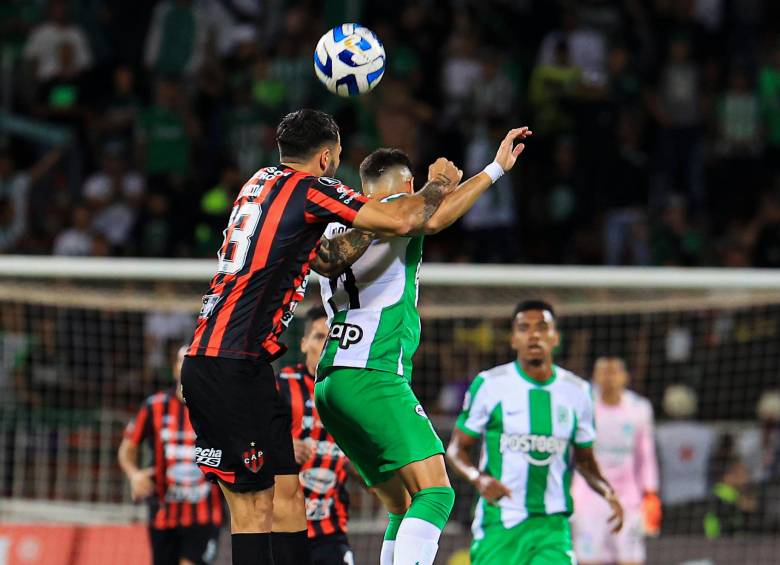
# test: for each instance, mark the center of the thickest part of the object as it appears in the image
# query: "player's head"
(610, 374)
(386, 171)
(176, 367)
(310, 137)
(315, 332)
(534, 332)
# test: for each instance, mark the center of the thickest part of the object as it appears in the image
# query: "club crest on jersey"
(346, 334)
(253, 459)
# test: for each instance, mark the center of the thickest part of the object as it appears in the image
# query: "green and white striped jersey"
(528, 430)
(372, 308)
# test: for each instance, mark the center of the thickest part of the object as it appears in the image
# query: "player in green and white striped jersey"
(363, 393)
(535, 420)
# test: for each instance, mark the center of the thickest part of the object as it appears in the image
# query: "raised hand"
(508, 152)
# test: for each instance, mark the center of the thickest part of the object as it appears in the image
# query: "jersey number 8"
(238, 237)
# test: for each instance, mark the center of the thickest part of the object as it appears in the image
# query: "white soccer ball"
(349, 60)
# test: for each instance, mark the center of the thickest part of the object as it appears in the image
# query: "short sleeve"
(137, 428)
(474, 417)
(585, 434)
(328, 200)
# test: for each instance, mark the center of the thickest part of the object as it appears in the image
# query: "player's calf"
(289, 540)
(250, 525)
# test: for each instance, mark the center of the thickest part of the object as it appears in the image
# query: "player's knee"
(251, 512)
(433, 505)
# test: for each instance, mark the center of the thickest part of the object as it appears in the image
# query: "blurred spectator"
(117, 122)
(587, 47)
(673, 241)
(176, 42)
(153, 237)
(495, 95)
(166, 130)
(739, 128)
(684, 448)
(76, 240)
(490, 225)
(732, 508)
(767, 246)
(54, 36)
(769, 93)
(768, 410)
(14, 190)
(461, 73)
(249, 138)
(114, 178)
(552, 92)
(677, 107)
(215, 207)
(625, 224)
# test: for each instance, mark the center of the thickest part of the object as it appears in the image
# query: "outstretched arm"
(408, 216)
(463, 198)
(587, 466)
(340, 251)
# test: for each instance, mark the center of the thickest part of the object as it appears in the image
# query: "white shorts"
(594, 541)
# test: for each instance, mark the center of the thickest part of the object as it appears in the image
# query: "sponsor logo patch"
(346, 334)
(210, 302)
(209, 456)
(538, 450)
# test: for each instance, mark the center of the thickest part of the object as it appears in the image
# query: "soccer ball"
(349, 60)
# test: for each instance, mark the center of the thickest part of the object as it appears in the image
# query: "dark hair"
(533, 304)
(381, 160)
(312, 315)
(303, 132)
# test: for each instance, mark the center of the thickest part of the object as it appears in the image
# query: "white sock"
(416, 543)
(386, 556)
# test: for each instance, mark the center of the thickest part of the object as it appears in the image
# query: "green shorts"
(538, 540)
(376, 420)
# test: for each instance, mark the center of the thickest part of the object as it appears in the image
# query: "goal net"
(83, 342)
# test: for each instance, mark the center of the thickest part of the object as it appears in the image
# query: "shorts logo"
(419, 410)
(208, 456)
(346, 334)
(253, 459)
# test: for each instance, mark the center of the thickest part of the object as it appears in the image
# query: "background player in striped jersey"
(625, 451)
(536, 421)
(185, 510)
(272, 235)
(323, 465)
(364, 396)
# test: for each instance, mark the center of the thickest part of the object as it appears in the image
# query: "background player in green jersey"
(536, 421)
(364, 395)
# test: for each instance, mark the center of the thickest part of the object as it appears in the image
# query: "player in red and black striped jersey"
(272, 236)
(185, 509)
(324, 466)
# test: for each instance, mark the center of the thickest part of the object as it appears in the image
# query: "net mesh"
(78, 357)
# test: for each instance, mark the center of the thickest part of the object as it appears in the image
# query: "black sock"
(291, 548)
(251, 549)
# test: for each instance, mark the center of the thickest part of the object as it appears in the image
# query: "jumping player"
(536, 421)
(363, 393)
(185, 510)
(625, 450)
(324, 466)
(272, 235)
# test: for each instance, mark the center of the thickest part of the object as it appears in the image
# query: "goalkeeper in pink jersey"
(625, 451)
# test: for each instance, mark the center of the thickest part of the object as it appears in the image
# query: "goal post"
(84, 340)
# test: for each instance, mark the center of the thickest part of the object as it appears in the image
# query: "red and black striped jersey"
(183, 496)
(272, 236)
(324, 476)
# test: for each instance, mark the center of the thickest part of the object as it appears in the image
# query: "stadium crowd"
(128, 127)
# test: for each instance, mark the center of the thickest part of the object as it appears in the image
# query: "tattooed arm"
(586, 465)
(408, 216)
(340, 251)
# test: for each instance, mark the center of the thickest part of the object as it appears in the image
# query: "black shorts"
(195, 543)
(332, 549)
(243, 427)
